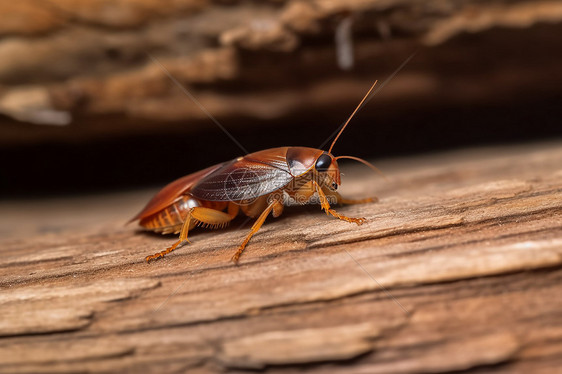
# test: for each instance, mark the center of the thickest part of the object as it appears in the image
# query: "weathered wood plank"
(459, 267)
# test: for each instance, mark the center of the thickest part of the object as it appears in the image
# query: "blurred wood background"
(467, 245)
(77, 85)
(83, 65)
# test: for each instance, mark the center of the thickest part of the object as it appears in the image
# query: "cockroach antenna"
(368, 97)
(351, 116)
(194, 99)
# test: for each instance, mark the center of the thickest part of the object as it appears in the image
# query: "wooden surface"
(458, 268)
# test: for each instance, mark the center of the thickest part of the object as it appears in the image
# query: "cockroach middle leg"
(277, 208)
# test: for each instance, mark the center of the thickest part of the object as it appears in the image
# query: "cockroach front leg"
(329, 211)
(198, 216)
(343, 200)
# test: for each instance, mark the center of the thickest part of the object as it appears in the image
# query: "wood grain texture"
(458, 268)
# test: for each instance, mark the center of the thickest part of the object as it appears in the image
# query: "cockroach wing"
(246, 178)
(173, 191)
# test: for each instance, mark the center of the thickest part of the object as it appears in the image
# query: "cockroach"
(256, 184)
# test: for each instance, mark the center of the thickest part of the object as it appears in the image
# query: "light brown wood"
(458, 267)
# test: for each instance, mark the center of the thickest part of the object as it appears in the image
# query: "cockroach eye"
(323, 162)
(334, 186)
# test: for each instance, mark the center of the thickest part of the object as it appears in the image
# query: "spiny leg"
(183, 236)
(277, 208)
(329, 211)
(198, 215)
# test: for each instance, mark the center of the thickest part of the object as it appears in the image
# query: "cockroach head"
(327, 166)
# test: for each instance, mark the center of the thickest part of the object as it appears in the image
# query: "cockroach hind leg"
(160, 255)
(236, 256)
(182, 239)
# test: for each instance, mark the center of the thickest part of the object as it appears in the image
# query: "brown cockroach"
(256, 184)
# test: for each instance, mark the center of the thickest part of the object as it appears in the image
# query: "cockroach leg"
(359, 201)
(197, 216)
(275, 206)
(185, 228)
(164, 252)
(183, 237)
(345, 201)
(329, 211)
